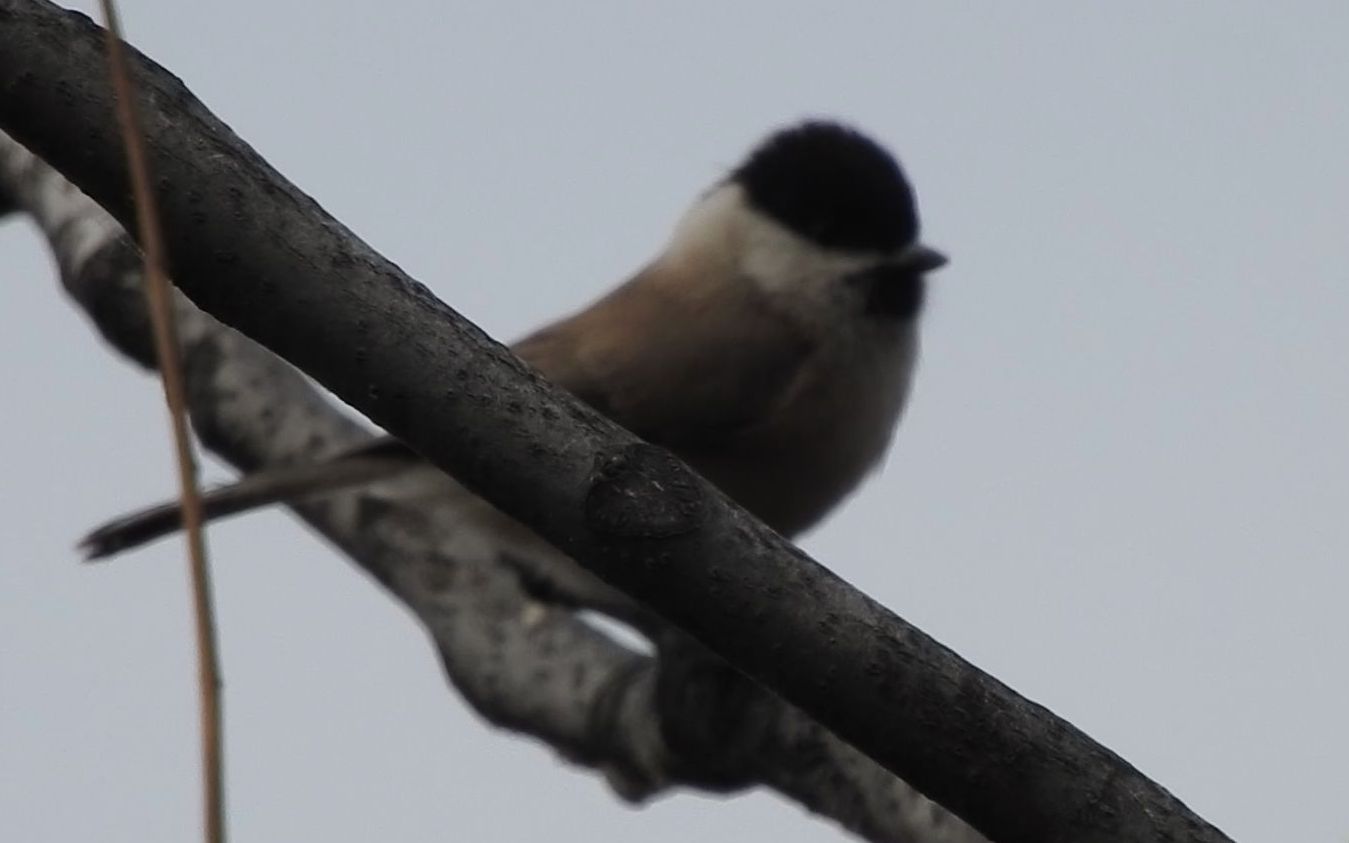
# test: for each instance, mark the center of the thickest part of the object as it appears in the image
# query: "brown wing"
(678, 367)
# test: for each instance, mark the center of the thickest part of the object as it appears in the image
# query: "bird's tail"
(267, 486)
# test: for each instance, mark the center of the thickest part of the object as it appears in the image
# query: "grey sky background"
(1121, 486)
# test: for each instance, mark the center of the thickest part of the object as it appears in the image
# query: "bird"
(771, 345)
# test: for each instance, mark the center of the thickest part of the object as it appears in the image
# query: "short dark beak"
(923, 258)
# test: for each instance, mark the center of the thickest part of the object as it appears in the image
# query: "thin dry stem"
(166, 349)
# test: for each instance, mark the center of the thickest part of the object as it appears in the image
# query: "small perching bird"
(770, 345)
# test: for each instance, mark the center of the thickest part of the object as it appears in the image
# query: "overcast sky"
(1121, 485)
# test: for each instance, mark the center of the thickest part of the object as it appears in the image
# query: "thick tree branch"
(252, 250)
(523, 665)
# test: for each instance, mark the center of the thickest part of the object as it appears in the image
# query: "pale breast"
(832, 432)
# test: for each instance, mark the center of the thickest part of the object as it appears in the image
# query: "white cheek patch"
(753, 245)
(783, 262)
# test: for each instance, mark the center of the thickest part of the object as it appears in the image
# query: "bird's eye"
(890, 290)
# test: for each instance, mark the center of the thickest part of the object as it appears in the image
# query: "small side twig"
(166, 349)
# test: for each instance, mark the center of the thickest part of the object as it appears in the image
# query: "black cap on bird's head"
(832, 185)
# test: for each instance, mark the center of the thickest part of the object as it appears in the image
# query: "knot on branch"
(712, 724)
(714, 720)
(643, 492)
